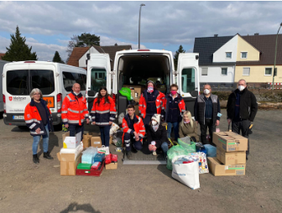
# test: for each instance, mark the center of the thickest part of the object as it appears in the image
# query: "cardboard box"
(96, 141)
(70, 142)
(230, 141)
(86, 140)
(112, 165)
(136, 91)
(217, 169)
(230, 158)
(111, 139)
(68, 163)
(136, 107)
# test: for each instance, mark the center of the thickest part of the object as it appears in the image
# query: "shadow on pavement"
(164, 170)
(20, 129)
(73, 207)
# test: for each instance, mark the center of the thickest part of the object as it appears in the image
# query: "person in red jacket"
(150, 102)
(103, 114)
(74, 111)
(37, 116)
(133, 131)
(174, 106)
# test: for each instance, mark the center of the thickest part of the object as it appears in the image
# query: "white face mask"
(154, 123)
(241, 88)
(76, 93)
(206, 91)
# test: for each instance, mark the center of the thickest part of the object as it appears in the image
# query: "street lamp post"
(275, 55)
(141, 5)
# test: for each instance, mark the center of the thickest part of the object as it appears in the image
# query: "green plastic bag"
(188, 145)
(172, 152)
(124, 91)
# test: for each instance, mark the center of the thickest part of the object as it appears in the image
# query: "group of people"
(155, 108)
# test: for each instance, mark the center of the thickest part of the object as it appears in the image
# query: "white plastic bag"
(187, 174)
(104, 149)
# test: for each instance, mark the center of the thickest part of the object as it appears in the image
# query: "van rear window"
(17, 82)
(21, 82)
(98, 78)
(70, 78)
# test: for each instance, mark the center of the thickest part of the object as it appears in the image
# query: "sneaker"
(154, 153)
(129, 155)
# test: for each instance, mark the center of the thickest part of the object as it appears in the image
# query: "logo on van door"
(18, 98)
(10, 98)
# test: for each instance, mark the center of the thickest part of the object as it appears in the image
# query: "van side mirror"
(91, 92)
(194, 93)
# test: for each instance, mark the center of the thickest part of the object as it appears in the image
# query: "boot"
(47, 155)
(35, 159)
(129, 155)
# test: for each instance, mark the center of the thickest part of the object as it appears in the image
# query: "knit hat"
(150, 81)
(157, 117)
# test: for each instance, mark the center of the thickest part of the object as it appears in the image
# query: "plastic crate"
(91, 172)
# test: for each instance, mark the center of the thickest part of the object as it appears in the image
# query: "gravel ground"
(26, 187)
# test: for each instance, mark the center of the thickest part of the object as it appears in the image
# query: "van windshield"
(21, 82)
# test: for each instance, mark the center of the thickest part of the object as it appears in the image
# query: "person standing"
(157, 135)
(150, 102)
(188, 127)
(133, 131)
(174, 107)
(74, 111)
(241, 110)
(103, 114)
(38, 118)
(207, 113)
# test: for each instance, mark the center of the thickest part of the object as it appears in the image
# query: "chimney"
(256, 34)
(115, 44)
(215, 35)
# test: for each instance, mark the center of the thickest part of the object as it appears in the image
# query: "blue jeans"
(76, 128)
(105, 134)
(36, 140)
(175, 126)
(164, 147)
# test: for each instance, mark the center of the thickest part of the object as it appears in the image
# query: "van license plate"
(18, 117)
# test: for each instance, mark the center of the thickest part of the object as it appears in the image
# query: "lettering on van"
(17, 98)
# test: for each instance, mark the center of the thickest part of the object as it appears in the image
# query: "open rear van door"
(98, 75)
(188, 78)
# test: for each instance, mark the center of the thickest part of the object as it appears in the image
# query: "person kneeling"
(157, 135)
(188, 127)
(133, 131)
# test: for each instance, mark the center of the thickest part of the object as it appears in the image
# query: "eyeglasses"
(36, 94)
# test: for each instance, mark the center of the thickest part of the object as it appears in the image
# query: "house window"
(268, 71)
(224, 71)
(204, 71)
(228, 54)
(246, 71)
(244, 54)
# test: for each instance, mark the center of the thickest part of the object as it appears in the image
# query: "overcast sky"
(48, 26)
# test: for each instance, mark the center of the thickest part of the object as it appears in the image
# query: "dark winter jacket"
(160, 136)
(200, 108)
(248, 105)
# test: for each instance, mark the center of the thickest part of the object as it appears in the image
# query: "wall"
(243, 46)
(257, 74)
(82, 60)
(214, 75)
(230, 46)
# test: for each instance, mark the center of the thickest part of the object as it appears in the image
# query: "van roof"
(141, 51)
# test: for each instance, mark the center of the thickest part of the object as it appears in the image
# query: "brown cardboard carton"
(68, 163)
(217, 169)
(230, 158)
(136, 107)
(96, 141)
(112, 165)
(86, 140)
(230, 141)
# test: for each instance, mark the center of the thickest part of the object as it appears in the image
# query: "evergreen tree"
(57, 58)
(180, 50)
(18, 50)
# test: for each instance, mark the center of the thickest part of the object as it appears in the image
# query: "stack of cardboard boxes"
(231, 154)
(136, 91)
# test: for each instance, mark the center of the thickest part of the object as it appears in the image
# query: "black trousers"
(208, 124)
(243, 127)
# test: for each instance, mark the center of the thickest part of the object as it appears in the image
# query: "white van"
(134, 67)
(55, 80)
(1, 97)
